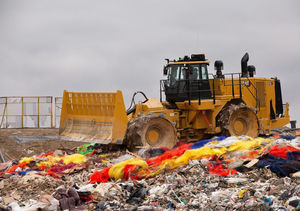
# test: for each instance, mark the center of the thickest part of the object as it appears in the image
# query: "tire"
(150, 130)
(238, 120)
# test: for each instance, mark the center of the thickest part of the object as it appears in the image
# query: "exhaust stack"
(251, 70)
(244, 62)
(219, 68)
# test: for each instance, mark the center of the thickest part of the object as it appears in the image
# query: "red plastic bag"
(100, 176)
(220, 171)
(156, 161)
(278, 151)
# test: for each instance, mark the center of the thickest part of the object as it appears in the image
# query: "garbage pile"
(222, 173)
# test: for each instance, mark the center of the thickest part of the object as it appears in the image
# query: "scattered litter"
(239, 173)
(121, 158)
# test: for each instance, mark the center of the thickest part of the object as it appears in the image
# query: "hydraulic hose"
(132, 106)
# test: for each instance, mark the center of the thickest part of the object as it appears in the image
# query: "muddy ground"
(12, 149)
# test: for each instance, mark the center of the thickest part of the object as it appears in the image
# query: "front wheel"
(151, 130)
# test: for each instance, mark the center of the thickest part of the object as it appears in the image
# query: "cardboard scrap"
(297, 174)
(251, 163)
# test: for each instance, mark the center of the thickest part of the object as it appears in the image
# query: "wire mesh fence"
(29, 112)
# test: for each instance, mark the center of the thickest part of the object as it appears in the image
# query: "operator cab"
(187, 79)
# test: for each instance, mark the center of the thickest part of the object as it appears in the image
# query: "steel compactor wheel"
(238, 120)
(151, 130)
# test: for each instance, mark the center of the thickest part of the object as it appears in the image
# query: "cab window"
(203, 72)
(195, 74)
(174, 73)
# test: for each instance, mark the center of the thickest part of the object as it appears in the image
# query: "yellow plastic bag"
(194, 154)
(117, 171)
(248, 143)
(75, 158)
(27, 160)
(51, 161)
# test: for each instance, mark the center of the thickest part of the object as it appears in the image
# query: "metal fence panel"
(26, 112)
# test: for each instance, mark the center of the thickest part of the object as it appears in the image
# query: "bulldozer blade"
(93, 117)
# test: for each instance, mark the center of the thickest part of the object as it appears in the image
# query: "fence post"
(22, 115)
(51, 111)
(55, 112)
(6, 113)
(38, 120)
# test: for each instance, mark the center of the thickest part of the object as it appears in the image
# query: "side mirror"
(165, 71)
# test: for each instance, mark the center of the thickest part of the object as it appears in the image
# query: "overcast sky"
(49, 46)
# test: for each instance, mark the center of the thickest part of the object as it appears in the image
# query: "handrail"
(213, 90)
(255, 97)
(188, 91)
(257, 101)
(240, 86)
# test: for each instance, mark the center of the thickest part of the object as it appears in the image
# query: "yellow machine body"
(102, 118)
(257, 93)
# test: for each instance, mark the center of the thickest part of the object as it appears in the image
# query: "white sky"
(48, 46)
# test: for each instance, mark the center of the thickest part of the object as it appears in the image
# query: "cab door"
(199, 83)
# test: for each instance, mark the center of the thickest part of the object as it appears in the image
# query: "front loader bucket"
(93, 117)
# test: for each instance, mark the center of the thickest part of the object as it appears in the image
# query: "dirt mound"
(12, 149)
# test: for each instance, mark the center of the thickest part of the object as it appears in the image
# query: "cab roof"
(193, 59)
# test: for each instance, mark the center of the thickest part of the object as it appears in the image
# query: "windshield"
(174, 74)
(179, 72)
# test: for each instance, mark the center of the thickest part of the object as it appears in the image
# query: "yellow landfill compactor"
(197, 105)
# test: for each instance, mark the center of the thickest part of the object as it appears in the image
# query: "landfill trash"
(87, 149)
(106, 191)
(138, 194)
(147, 153)
(68, 199)
(31, 205)
(121, 158)
(221, 173)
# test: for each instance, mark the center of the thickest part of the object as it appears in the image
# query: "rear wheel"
(238, 120)
(150, 130)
